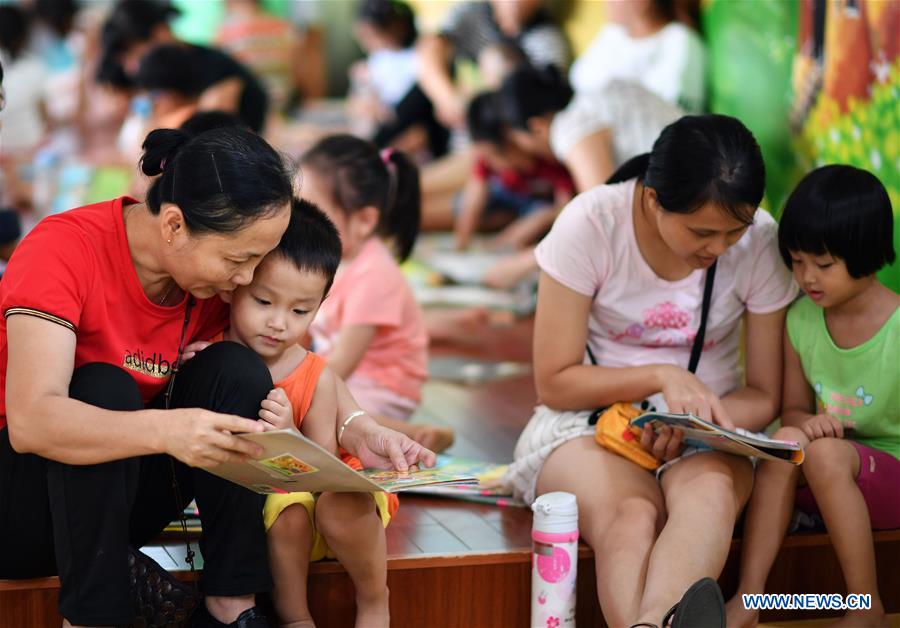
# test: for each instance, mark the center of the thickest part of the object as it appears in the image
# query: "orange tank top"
(300, 385)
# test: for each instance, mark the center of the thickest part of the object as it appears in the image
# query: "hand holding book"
(700, 433)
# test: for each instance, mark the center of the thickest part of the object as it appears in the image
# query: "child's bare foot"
(873, 618)
(736, 616)
(374, 612)
(435, 438)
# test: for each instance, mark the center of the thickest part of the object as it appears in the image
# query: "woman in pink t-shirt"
(623, 272)
(370, 328)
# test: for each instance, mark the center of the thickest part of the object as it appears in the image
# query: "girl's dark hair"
(14, 28)
(393, 17)
(311, 242)
(702, 159)
(842, 211)
(221, 179)
(666, 9)
(133, 21)
(169, 67)
(358, 177)
(528, 93)
(59, 15)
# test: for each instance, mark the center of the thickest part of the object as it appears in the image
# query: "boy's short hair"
(311, 242)
(842, 211)
(484, 119)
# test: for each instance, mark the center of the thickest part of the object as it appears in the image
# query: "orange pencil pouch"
(616, 434)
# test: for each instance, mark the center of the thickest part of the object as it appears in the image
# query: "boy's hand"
(276, 410)
(825, 426)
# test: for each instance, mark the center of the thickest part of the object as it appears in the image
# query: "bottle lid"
(555, 512)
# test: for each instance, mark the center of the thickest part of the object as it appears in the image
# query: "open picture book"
(488, 490)
(293, 463)
(700, 433)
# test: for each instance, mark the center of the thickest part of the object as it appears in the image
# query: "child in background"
(23, 118)
(371, 329)
(841, 395)
(267, 45)
(385, 93)
(271, 316)
(506, 179)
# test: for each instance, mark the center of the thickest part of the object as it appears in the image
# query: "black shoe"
(702, 606)
(250, 618)
(160, 600)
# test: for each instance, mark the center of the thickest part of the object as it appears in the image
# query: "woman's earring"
(169, 240)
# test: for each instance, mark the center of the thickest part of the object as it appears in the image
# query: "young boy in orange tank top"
(271, 316)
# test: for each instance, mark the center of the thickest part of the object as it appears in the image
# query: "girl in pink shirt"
(370, 328)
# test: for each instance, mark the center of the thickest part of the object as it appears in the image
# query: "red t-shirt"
(74, 269)
(544, 180)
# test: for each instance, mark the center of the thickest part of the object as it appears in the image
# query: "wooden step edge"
(462, 559)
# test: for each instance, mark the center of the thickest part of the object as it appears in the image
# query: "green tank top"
(860, 384)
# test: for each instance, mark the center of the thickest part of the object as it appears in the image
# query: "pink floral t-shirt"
(371, 290)
(638, 318)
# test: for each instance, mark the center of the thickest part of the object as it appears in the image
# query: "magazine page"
(488, 490)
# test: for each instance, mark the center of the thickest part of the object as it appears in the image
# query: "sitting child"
(507, 179)
(271, 316)
(386, 101)
(841, 398)
(370, 329)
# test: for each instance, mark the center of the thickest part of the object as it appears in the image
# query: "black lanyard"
(189, 556)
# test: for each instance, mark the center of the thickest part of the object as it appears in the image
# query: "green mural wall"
(818, 82)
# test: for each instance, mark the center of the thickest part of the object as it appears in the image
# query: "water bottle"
(554, 561)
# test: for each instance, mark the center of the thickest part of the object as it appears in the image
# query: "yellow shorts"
(275, 504)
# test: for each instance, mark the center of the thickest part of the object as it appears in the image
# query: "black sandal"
(702, 606)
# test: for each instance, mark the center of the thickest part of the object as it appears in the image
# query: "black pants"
(78, 520)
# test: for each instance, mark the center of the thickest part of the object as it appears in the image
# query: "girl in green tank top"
(841, 394)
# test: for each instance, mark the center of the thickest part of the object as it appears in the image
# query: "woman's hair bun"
(160, 148)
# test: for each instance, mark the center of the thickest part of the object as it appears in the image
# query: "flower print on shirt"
(663, 325)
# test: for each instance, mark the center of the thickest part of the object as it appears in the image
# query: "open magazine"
(293, 463)
(700, 433)
(488, 490)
